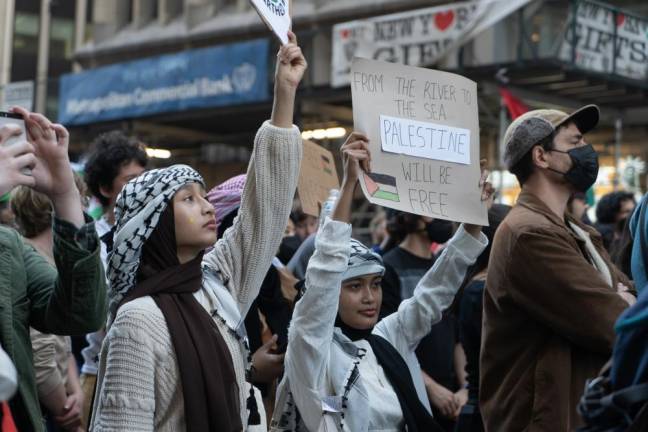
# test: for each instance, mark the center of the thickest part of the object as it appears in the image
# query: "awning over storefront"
(202, 78)
(602, 59)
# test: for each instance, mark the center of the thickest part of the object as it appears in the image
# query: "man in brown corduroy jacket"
(552, 295)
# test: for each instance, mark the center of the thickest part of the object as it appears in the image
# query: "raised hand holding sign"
(423, 132)
(276, 15)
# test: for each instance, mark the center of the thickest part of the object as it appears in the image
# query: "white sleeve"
(433, 294)
(311, 330)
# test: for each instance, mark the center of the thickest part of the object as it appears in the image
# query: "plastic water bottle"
(327, 208)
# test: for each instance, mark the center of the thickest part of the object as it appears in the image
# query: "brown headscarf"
(209, 385)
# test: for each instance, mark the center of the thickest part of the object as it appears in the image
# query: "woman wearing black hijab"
(344, 369)
(176, 355)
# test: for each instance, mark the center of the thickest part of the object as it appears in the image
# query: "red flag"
(515, 106)
(8, 424)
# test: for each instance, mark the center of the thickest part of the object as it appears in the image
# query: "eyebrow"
(186, 187)
(356, 279)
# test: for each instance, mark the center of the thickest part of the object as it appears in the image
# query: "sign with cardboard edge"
(479, 217)
(313, 198)
(269, 25)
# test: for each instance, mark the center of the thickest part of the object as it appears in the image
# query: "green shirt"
(32, 293)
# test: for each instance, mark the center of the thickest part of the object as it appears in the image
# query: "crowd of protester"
(228, 308)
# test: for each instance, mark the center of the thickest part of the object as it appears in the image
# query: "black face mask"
(585, 167)
(439, 231)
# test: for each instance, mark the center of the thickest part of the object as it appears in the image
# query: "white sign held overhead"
(423, 130)
(420, 37)
(276, 15)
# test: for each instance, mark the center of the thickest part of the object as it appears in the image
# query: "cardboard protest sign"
(316, 178)
(423, 130)
(276, 15)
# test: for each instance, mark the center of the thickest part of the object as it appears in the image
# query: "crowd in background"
(232, 297)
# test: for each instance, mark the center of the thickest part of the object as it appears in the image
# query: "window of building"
(25, 40)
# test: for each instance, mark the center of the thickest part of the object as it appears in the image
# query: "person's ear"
(539, 157)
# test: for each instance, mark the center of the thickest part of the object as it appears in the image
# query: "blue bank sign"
(201, 78)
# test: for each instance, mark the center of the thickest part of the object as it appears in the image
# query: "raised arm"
(434, 292)
(52, 171)
(245, 252)
(71, 300)
(355, 157)
(74, 301)
(311, 330)
(437, 289)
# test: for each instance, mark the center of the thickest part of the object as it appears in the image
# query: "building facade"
(122, 43)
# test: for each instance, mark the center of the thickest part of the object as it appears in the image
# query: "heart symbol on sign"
(443, 20)
(620, 19)
(345, 34)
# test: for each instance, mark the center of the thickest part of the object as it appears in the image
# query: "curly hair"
(110, 152)
(609, 206)
(399, 225)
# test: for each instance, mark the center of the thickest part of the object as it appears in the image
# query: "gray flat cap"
(533, 126)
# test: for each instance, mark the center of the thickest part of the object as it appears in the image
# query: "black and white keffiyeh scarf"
(362, 261)
(137, 213)
(144, 262)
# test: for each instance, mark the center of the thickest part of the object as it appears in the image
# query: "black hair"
(610, 205)
(496, 216)
(576, 196)
(110, 152)
(226, 222)
(621, 248)
(525, 166)
(399, 225)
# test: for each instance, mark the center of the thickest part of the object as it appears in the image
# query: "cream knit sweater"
(138, 387)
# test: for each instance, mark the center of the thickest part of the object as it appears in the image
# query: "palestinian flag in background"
(381, 186)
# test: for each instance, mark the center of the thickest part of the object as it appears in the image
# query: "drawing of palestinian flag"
(381, 186)
(326, 165)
